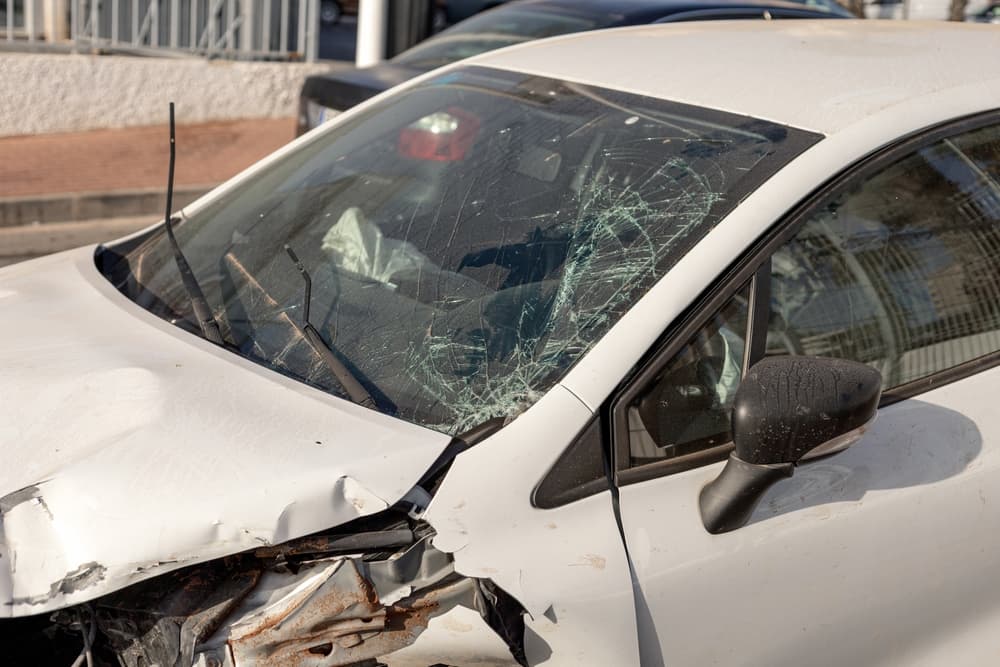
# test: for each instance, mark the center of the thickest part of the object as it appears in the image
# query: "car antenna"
(351, 385)
(202, 311)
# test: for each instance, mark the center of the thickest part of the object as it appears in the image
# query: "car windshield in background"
(468, 239)
(495, 29)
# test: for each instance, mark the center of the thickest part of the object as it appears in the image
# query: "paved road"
(111, 161)
(135, 157)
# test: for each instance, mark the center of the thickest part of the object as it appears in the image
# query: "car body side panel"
(567, 565)
(882, 555)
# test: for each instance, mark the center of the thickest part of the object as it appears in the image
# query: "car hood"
(131, 447)
(344, 89)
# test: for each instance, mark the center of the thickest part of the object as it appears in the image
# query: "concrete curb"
(62, 208)
(26, 241)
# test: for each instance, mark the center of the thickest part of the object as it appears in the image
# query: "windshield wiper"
(352, 385)
(202, 311)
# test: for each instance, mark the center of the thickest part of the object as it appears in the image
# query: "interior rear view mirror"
(787, 410)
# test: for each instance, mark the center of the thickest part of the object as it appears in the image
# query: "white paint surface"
(151, 448)
(42, 93)
(815, 74)
(881, 555)
(566, 565)
(906, 515)
(461, 637)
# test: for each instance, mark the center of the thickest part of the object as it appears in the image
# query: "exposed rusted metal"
(321, 544)
(162, 621)
(294, 604)
(338, 622)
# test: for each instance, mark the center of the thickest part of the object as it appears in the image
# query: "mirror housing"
(787, 410)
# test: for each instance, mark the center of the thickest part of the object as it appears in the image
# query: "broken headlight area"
(345, 598)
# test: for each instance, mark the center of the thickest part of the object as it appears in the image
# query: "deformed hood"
(131, 447)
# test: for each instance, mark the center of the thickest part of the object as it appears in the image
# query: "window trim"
(651, 369)
(751, 266)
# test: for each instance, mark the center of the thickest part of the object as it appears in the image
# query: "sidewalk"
(87, 187)
(135, 158)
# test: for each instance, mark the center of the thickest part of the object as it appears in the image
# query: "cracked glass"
(467, 240)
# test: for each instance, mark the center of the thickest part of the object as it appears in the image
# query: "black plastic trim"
(432, 478)
(727, 502)
(940, 379)
(752, 263)
(579, 472)
(760, 315)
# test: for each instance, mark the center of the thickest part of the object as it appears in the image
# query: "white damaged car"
(543, 358)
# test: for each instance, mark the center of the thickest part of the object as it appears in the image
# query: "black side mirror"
(787, 410)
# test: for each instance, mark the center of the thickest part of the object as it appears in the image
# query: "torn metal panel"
(287, 605)
(459, 636)
(162, 621)
(239, 457)
(578, 597)
(345, 610)
(12, 500)
(326, 614)
(341, 622)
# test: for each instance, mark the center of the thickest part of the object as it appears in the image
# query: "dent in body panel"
(337, 598)
(39, 548)
(294, 605)
(573, 582)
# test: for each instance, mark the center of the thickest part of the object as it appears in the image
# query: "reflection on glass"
(903, 272)
(468, 240)
(687, 408)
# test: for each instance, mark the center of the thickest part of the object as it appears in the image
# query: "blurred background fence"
(232, 29)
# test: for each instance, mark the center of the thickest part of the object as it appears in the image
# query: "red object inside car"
(443, 136)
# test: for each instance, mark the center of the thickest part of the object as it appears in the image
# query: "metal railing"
(20, 19)
(233, 29)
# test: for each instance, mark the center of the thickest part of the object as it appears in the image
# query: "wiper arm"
(355, 390)
(202, 311)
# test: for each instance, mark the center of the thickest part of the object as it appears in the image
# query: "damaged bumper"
(351, 598)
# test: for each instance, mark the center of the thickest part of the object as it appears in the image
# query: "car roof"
(819, 75)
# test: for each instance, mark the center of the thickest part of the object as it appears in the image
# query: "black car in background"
(326, 95)
(459, 10)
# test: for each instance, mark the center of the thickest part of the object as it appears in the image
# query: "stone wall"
(42, 93)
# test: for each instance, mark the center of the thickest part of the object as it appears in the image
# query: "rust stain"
(594, 561)
(456, 625)
(341, 623)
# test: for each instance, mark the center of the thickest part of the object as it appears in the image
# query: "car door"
(883, 554)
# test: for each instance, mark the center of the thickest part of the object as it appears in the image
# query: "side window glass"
(687, 407)
(902, 271)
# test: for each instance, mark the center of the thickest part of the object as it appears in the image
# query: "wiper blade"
(352, 385)
(202, 311)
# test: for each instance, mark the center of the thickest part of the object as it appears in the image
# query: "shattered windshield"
(466, 240)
